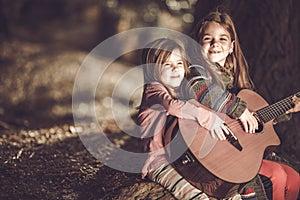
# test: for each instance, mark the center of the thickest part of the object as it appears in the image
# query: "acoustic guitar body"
(234, 164)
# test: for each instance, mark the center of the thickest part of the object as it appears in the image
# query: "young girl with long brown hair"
(165, 67)
(228, 70)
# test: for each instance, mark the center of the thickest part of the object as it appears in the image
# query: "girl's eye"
(166, 65)
(180, 63)
(205, 39)
(223, 39)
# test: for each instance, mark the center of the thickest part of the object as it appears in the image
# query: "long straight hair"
(234, 61)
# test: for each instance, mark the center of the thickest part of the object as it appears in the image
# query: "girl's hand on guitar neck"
(249, 121)
(296, 107)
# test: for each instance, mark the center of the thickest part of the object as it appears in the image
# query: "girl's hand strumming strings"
(249, 121)
(219, 129)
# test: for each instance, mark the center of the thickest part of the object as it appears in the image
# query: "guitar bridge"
(232, 139)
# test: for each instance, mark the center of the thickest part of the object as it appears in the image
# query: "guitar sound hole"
(260, 128)
(260, 124)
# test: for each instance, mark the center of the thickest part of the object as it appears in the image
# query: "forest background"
(42, 46)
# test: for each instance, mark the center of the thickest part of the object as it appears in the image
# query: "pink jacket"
(157, 104)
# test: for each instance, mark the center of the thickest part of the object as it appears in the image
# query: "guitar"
(237, 159)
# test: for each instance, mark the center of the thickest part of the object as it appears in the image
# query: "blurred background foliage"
(82, 24)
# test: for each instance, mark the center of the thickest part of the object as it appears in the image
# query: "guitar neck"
(272, 111)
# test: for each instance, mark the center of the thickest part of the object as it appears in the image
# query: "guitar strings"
(274, 110)
(270, 112)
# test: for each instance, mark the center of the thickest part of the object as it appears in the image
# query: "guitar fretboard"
(272, 111)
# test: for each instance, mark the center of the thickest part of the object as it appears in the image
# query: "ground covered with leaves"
(54, 164)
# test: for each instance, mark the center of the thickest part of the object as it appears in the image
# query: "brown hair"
(156, 53)
(234, 61)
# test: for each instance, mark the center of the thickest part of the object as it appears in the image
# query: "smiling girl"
(227, 75)
(164, 70)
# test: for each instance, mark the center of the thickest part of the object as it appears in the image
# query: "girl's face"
(216, 43)
(172, 72)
